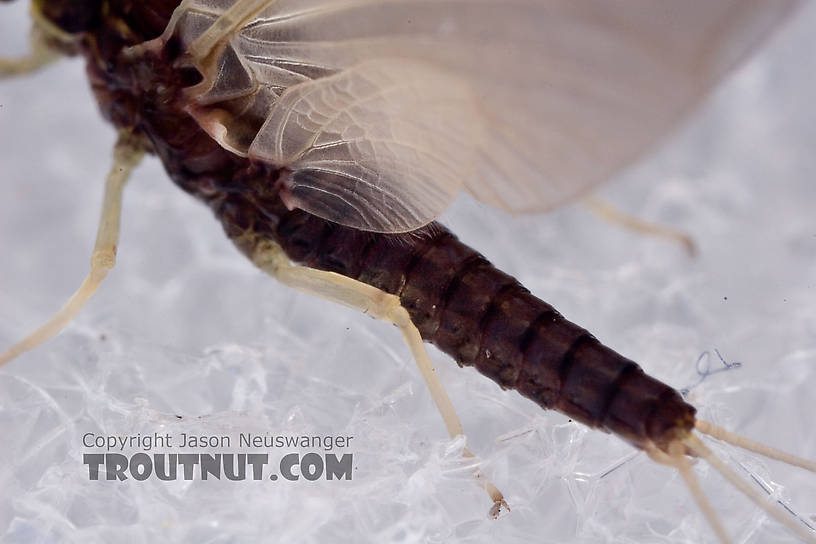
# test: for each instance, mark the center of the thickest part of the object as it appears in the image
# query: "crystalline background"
(185, 326)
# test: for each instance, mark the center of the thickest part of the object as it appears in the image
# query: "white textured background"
(185, 326)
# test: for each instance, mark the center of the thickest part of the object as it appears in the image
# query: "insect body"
(296, 231)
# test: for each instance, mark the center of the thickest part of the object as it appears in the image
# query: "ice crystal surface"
(187, 337)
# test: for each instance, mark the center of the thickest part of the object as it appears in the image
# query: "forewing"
(370, 149)
(382, 109)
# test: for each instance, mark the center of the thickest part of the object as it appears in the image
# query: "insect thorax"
(143, 18)
(70, 16)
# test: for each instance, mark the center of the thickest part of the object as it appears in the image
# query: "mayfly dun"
(581, 489)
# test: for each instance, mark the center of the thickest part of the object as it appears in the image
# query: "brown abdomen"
(484, 318)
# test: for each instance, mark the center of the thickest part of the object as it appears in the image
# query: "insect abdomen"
(484, 318)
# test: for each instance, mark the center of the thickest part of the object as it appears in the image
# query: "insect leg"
(126, 155)
(611, 214)
(45, 39)
(230, 21)
(269, 257)
(40, 54)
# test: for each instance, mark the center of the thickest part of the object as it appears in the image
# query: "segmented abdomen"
(482, 317)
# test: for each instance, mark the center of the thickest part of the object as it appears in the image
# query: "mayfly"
(375, 159)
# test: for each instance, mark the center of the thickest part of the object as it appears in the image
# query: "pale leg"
(225, 26)
(611, 214)
(269, 257)
(39, 55)
(126, 155)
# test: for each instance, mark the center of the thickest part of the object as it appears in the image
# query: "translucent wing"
(384, 109)
(369, 148)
